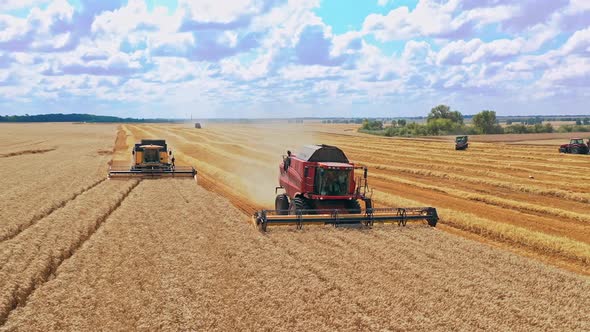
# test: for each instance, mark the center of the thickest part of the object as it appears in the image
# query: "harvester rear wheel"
(298, 203)
(282, 204)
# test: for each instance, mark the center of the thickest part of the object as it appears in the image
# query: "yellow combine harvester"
(151, 158)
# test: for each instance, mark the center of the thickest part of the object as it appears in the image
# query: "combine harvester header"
(151, 158)
(321, 188)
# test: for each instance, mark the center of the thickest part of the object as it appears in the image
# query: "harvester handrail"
(115, 168)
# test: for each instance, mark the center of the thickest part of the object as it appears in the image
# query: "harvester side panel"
(292, 179)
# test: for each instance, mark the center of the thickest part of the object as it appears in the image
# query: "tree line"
(344, 121)
(443, 121)
(58, 117)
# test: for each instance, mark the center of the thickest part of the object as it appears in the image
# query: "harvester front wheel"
(298, 203)
(354, 207)
(282, 204)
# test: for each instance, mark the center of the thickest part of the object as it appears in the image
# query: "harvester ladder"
(308, 180)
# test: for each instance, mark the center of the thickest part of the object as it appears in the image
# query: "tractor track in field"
(56, 207)
(25, 152)
(20, 300)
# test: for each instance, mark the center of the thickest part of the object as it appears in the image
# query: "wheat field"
(526, 197)
(43, 169)
(171, 254)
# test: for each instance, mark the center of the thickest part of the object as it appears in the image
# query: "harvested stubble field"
(170, 254)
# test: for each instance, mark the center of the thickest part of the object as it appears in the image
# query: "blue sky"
(290, 58)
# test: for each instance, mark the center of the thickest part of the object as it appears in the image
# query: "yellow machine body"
(147, 156)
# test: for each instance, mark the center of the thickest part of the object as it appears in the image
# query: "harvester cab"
(320, 187)
(151, 158)
(461, 143)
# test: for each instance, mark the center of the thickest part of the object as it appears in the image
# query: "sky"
(293, 58)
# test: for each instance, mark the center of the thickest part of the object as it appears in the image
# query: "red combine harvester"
(575, 146)
(320, 188)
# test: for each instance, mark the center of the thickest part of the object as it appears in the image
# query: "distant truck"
(461, 143)
(575, 146)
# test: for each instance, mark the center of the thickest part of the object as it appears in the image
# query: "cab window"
(332, 182)
(151, 156)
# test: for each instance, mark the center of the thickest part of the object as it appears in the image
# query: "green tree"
(548, 128)
(442, 127)
(402, 122)
(372, 125)
(578, 122)
(365, 125)
(444, 112)
(486, 122)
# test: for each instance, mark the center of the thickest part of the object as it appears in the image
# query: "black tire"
(298, 203)
(353, 207)
(432, 222)
(282, 204)
(575, 150)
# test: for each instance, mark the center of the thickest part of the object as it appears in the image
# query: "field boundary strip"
(50, 270)
(39, 216)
